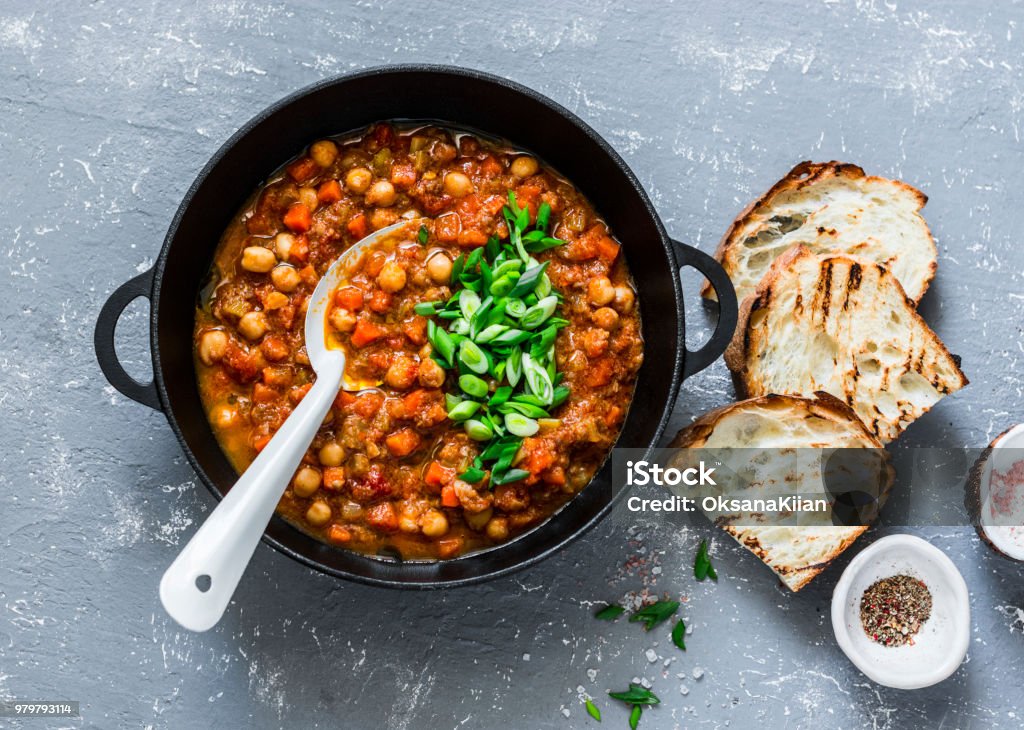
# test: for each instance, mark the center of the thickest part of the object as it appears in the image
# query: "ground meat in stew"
(382, 472)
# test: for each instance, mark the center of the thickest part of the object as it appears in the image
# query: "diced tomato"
(260, 441)
(613, 416)
(302, 169)
(358, 226)
(368, 404)
(338, 534)
(447, 227)
(344, 399)
(490, 166)
(350, 298)
(298, 218)
(493, 204)
(263, 393)
(607, 248)
(241, 364)
(416, 330)
(529, 195)
(380, 301)
(468, 206)
(274, 348)
(403, 442)
(538, 459)
(329, 192)
(383, 517)
(448, 496)
(334, 478)
(555, 475)
(437, 475)
(600, 372)
(365, 333)
(472, 238)
(403, 175)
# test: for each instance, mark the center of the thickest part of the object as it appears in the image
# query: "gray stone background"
(108, 112)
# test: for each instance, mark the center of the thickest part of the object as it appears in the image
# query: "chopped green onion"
(513, 265)
(457, 267)
(560, 395)
(543, 216)
(469, 302)
(472, 475)
(537, 379)
(426, 309)
(478, 430)
(511, 336)
(473, 386)
(459, 326)
(464, 410)
(528, 281)
(491, 248)
(526, 409)
(520, 425)
(500, 396)
(515, 308)
(441, 341)
(451, 400)
(514, 366)
(422, 236)
(473, 357)
(538, 313)
(490, 333)
(543, 244)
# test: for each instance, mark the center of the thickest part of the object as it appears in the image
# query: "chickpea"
(253, 325)
(391, 277)
(624, 298)
(331, 454)
(258, 259)
(479, 520)
(342, 320)
(381, 193)
(402, 373)
(600, 291)
(439, 266)
(358, 179)
(308, 197)
(524, 166)
(283, 243)
(606, 318)
(407, 522)
(318, 513)
(382, 217)
(497, 528)
(306, 482)
(224, 415)
(324, 152)
(213, 345)
(285, 278)
(434, 523)
(431, 375)
(457, 184)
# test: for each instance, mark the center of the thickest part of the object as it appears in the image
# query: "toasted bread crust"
(806, 174)
(822, 406)
(742, 348)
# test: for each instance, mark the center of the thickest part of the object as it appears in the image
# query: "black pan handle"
(728, 309)
(103, 341)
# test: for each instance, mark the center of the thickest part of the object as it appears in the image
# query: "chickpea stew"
(498, 340)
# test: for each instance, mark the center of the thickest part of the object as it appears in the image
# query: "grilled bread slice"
(831, 207)
(778, 422)
(841, 325)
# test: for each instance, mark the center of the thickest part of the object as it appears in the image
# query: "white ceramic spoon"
(198, 585)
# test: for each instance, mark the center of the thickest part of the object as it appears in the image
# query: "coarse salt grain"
(652, 655)
(565, 711)
(526, 657)
(592, 674)
(698, 672)
(684, 690)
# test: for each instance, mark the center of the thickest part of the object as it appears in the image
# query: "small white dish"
(1005, 532)
(939, 646)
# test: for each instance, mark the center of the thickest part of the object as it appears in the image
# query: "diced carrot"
(613, 416)
(350, 298)
(416, 330)
(263, 393)
(380, 301)
(334, 478)
(260, 442)
(403, 442)
(298, 218)
(555, 475)
(358, 226)
(365, 333)
(490, 166)
(414, 401)
(338, 534)
(607, 248)
(493, 204)
(448, 496)
(472, 238)
(382, 516)
(447, 227)
(309, 275)
(468, 206)
(299, 252)
(302, 169)
(343, 399)
(329, 192)
(437, 475)
(538, 460)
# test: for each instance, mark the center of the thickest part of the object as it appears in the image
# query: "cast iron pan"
(462, 98)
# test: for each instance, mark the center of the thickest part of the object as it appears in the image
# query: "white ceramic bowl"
(940, 645)
(1006, 450)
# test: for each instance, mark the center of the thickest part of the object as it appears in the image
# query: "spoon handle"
(219, 552)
